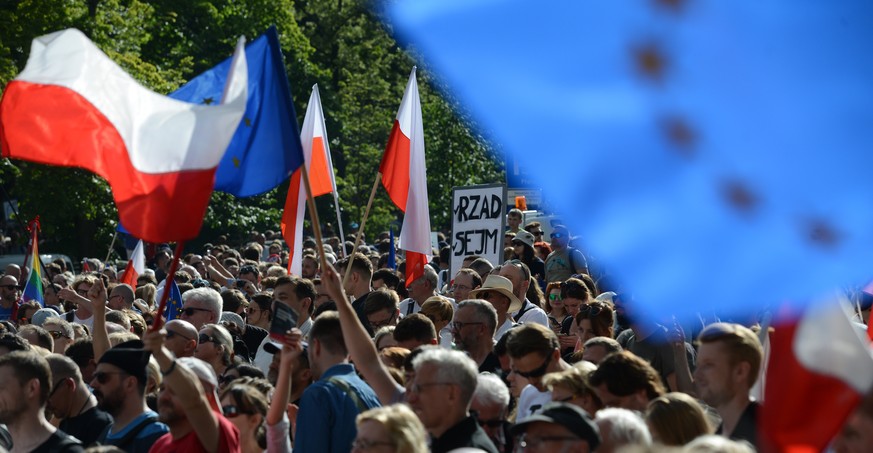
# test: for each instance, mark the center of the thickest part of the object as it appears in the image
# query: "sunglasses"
(535, 373)
(172, 334)
(103, 376)
(592, 309)
(203, 338)
(189, 311)
(12, 287)
(554, 297)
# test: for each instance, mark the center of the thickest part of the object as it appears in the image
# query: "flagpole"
(313, 215)
(339, 222)
(174, 265)
(361, 229)
(111, 244)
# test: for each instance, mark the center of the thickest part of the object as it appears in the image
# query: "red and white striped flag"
(135, 266)
(317, 156)
(405, 178)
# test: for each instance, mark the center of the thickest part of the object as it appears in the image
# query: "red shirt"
(228, 440)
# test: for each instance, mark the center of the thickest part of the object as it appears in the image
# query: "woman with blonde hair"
(676, 419)
(215, 347)
(393, 429)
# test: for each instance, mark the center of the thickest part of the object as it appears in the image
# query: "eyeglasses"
(491, 423)
(57, 334)
(382, 323)
(417, 388)
(103, 376)
(9, 286)
(171, 334)
(232, 411)
(554, 297)
(365, 444)
(203, 338)
(535, 373)
(557, 235)
(535, 443)
(189, 311)
(458, 325)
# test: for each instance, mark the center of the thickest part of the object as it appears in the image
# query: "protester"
(597, 348)
(440, 312)
(201, 306)
(246, 407)
(119, 384)
(533, 353)
(215, 347)
(381, 308)
(358, 284)
(71, 403)
(676, 419)
(490, 408)
(182, 338)
(564, 261)
(526, 290)
(392, 428)
(473, 331)
(555, 307)
(730, 360)
(466, 280)
(571, 386)
(621, 428)
(25, 383)
(626, 381)
(195, 421)
(498, 292)
(523, 250)
(415, 330)
(420, 291)
(10, 292)
(558, 427)
(299, 294)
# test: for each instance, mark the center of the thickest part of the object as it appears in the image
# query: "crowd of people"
(535, 353)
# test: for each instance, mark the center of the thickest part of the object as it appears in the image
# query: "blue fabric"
(266, 148)
(712, 155)
(174, 301)
(144, 439)
(326, 421)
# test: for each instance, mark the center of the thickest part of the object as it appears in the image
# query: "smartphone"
(284, 319)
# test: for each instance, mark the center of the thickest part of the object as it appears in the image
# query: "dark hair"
(13, 342)
(388, 276)
(327, 330)
(249, 399)
(360, 264)
(381, 299)
(29, 365)
(574, 288)
(81, 351)
(303, 288)
(43, 337)
(624, 374)
(602, 322)
(477, 280)
(415, 327)
(530, 338)
(232, 299)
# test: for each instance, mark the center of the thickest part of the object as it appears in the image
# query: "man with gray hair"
(596, 349)
(420, 290)
(440, 396)
(201, 306)
(473, 329)
(489, 407)
(621, 427)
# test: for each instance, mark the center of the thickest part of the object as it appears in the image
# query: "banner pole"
(361, 229)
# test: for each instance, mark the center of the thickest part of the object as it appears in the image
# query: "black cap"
(130, 357)
(569, 416)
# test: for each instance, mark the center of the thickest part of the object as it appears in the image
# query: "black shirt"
(491, 364)
(466, 433)
(252, 338)
(747, 425)
(59, 441)
(87, 426)
(358, 305)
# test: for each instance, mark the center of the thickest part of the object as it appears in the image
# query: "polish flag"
(135, 266)
(820, 367)
(316, 154)
(72, 106)
(405, 178)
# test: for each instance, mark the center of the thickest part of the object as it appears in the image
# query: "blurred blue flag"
(266, 147)
(392, 252)
(174, 301)
(713, 155)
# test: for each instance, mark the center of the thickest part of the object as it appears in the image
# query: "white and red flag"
(135, 266)
(405, 178)
(73, 106)
(316, 154)
(820, 367)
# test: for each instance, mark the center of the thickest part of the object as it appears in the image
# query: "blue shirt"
(144, 439)
(326, 421)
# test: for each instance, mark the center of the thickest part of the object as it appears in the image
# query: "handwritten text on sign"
(477, 223)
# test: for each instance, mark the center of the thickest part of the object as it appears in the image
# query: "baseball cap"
(567, 415)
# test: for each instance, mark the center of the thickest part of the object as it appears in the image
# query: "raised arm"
(100, 336)
(361, 347)
(186, 389)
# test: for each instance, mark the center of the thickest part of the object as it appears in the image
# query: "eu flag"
(714, 155)
(266, 147)
(174, 301)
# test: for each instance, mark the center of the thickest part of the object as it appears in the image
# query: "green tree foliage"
(339, 44)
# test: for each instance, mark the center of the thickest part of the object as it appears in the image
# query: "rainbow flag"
(33, 287)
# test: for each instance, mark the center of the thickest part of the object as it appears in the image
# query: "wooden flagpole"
(174, 265)
(361, 229)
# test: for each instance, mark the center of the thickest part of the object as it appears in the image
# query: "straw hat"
(501, 285)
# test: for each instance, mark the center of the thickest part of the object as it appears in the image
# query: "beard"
(8, 415)
(167, 412)
(111, 403)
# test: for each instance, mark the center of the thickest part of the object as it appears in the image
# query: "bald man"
(181, 338)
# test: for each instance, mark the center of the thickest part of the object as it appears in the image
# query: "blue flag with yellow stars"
(174, 301)
(708, 155)
(266, 148)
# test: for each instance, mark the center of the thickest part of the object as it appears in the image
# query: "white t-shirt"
(530, 401)
(533, 315)
(498, 334)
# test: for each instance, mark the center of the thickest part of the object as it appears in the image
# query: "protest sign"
(478, 215)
